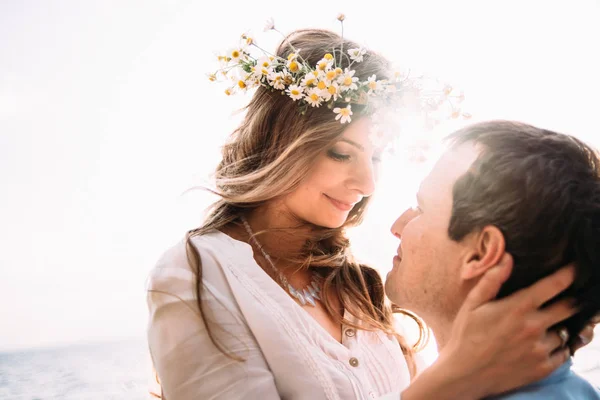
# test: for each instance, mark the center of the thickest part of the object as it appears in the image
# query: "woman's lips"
(339, 204)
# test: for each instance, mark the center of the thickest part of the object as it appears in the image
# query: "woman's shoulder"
(213, 244)
(212, 248)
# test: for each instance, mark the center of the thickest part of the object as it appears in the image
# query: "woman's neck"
(285, 234)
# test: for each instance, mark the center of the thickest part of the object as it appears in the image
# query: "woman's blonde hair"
(267, 157)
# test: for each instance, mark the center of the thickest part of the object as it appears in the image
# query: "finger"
(488, 286)
(558, 358)
(547, 288)
(552, 341)
(596, 319)
(557, 312)
(585, 336)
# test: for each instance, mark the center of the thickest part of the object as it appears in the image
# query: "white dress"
(287, 353)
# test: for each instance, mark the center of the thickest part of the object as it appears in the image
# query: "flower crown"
(326, 83)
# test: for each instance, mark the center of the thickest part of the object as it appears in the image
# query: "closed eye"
(338, 156)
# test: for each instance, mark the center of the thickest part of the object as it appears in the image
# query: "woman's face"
(341, 177)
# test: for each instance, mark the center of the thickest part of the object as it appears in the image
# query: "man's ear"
(487, 249)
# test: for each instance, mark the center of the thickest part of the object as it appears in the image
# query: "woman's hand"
(587, 334)
(499, 345)
(505, 344)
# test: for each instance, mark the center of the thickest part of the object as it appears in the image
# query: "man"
(501, 187)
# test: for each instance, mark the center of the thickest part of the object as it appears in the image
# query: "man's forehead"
(451, 165)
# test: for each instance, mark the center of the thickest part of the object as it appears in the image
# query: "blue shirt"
(562, 384)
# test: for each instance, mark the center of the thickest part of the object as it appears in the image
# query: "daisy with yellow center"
(312, 97)
(264, 62)
(322, 65)
(234, 55)
(348, 81)
(314, 84)
(293, 66)
(259, 72)
(309, 80)
(330, 75)
(276, 80)
(356, 55)
(343, 114)
(295, 92)
(332, 91)
(373, 84)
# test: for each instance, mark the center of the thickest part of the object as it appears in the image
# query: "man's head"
(501, 186)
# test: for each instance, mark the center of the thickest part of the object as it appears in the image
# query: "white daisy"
(293, 65)
(324, 64)
(332, 91)
(373, 84)
(241, 80)
(311, 79)
(356, 55)
(235, 55)
(264, 62)
(269, 24)
(276, 80)
(347, 80)
(294, 56)
(262, 68)
(343, 114)
(331, 75)
(312, 97)
(295, 92)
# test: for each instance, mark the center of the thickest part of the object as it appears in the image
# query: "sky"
(107, 118)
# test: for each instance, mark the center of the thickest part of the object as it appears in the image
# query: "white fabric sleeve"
(188, 364)
(391, 396)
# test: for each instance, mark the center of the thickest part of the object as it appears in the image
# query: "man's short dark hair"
(542, 190)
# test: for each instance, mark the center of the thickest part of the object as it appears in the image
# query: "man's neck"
(442, 328)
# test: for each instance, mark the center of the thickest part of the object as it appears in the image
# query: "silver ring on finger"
(563, 334)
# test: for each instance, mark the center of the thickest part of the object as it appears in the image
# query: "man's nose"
(401, 222)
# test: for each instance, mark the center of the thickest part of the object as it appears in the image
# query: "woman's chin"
(330, 222)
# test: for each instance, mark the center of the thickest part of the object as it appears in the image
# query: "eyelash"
(338, 156)
(345, 157)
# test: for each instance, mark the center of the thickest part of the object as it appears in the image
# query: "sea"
(119, 370)
(92, 371)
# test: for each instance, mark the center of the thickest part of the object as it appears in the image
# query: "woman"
(265, 300)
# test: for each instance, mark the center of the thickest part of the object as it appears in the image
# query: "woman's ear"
(488, 247)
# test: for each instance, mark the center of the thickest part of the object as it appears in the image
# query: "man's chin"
(391, 291)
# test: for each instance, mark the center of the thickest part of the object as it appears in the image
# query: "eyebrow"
(358, 146)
